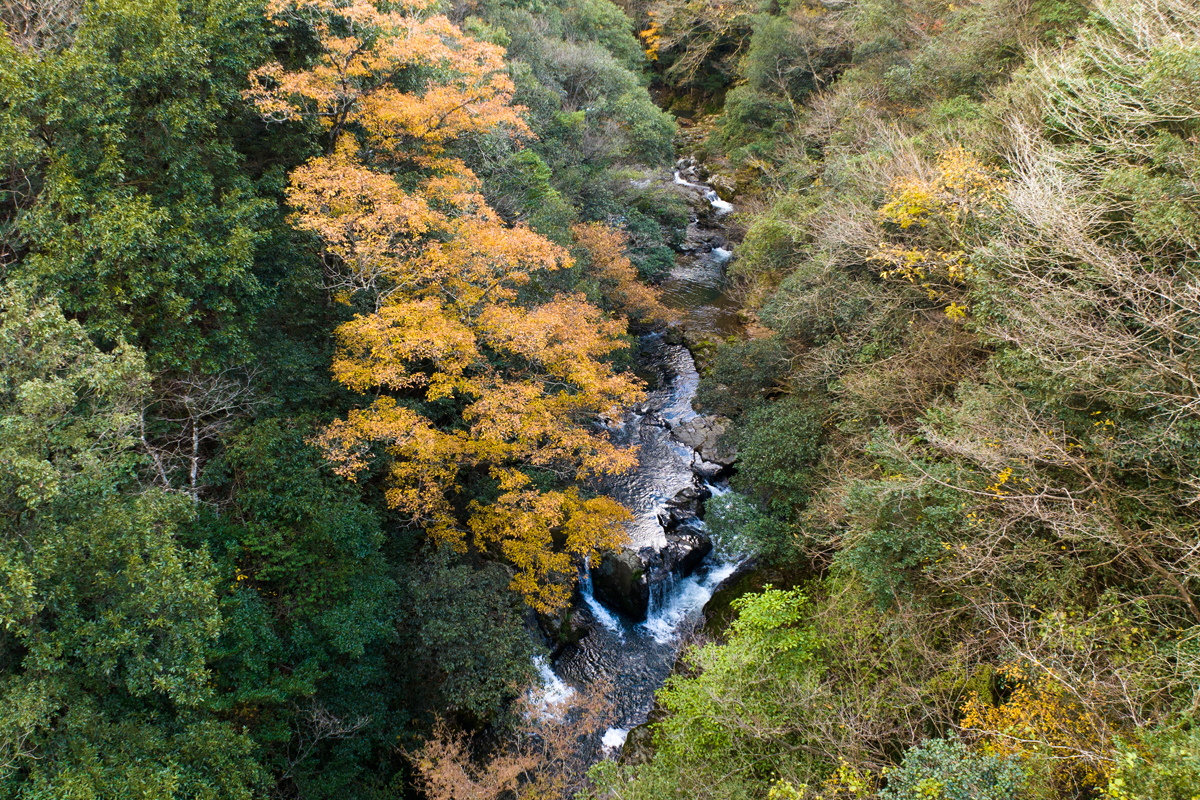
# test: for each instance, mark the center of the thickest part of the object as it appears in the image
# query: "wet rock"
(708, 471)
(622, 581)
(674, 335)
(704, 435)
(563, 629)
(691, 499)
(653, 418)
(676, 517)
(684, 551)
(639, 745)
(700, 240)
(726, 185)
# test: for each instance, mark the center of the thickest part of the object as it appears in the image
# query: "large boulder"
(705, 436)
(691, 498)
(563, 629)
(639, 745)
(685, 549)
(622, 582)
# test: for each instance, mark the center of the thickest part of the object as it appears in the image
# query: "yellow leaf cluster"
(369, 51)
(1042, 720)
(616, 274)
(526, 524)
(405, 225)
(652, 37)
(963, 185)
(932, 213)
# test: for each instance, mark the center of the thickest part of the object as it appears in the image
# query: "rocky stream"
(638, 607)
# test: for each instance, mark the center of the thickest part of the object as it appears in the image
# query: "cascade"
(635, 657)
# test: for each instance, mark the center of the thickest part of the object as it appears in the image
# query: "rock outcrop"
(684, 551)
(705, 436)
(562, 629)
(623, 579)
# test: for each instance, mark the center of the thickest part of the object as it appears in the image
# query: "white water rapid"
(636, 657)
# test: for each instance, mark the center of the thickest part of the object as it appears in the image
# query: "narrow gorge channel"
(640, 607)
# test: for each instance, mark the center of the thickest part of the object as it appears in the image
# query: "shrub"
(741, 374)
(738, 525)
(779, 444)
(946, 769)
(899, 525)
(1162, 765)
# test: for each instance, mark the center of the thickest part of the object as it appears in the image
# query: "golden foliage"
(369, 50)
(444, 273)
(616, 274)
(1044, 721)
(962, 186)
(937, 213)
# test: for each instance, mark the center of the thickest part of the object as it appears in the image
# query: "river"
(634, 658)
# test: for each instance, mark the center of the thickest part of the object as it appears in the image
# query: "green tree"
(308, 600)
(105, 617)
(145, 223)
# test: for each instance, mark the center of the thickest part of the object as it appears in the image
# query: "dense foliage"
(967, 421)
(310, 311)
(209, 210)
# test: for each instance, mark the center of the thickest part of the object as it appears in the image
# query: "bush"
(742, 374)
(1163, 765)
(899, 525)
(946, 769)
(818, 303)
(779, 444)
(738, 525)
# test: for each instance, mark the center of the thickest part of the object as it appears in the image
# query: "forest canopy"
(316, 317)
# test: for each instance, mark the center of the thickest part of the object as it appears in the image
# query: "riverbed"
(635, 657)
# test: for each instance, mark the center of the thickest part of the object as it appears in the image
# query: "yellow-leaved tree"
(517, 386)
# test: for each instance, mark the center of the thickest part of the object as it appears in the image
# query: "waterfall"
(635, 658)
(599, 612)
(721, 207)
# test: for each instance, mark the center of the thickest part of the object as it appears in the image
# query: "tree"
(105, 617)
(478, 381)
(617, 276)
(138, 213)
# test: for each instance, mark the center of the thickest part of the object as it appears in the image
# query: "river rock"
(704, 435)
(685, 549)
(691, 499)
(676, 518)
(726, 185)
(562, 629)
(622, 581)
(639, 745)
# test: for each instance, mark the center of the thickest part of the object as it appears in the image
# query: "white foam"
(550, 702)
(720, 254)
(603, 615)
(679, 180)
(684, 599)
(722, 207)
(614, 738)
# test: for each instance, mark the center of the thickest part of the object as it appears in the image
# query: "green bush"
(734, 722)
(1164, 765)
(946, 769)
(899, 525)
(738, 525)
(818, 303)
(742, 374)
(779, 444)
